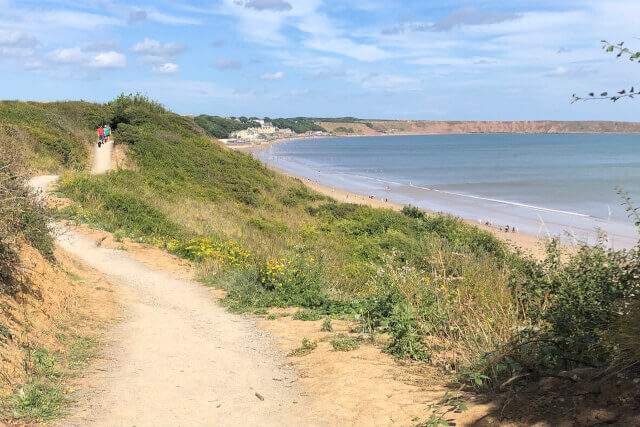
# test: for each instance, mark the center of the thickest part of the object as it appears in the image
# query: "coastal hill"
(343, 287)
(426, 127)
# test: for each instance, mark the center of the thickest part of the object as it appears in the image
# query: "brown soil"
(364, 386)
(151, 256)
(63, 298)
(120, 158)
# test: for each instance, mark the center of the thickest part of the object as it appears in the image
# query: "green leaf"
(463, 407)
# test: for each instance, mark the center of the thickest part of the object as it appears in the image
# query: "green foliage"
(82, 348)
(342, 129)
(419, 278)
(37, 400)
(578, 305)
(307, 315)
(326, 325)
(222, 127)
(115, 208)
(51, 136)
(344, 343)
(269, 226)
(22, 216)
(296, 124)
(406, 340)
(620, 51)
(439, 410)
(306, 348)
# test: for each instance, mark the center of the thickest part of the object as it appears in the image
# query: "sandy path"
(102, 158)
(180, 359)
(177, 358)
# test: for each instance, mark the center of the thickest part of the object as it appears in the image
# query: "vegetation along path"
(178, 358)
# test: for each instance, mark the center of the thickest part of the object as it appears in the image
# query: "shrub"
(307, 315)
(306, 348)
(22, 216)
(344, 343)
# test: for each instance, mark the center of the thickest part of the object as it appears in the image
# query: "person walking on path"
(100, 136)
(107, 132)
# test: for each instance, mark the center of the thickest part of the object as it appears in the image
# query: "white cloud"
(226, 64)
(272, 76)
(154, 47)
(184, 89)
(110, 59)
(73, 55)
(167, 68)
(151, 51)
(103, 46)
(18, 44)
(82, 57)
(347, 47)
(171, 19)
(271, 5)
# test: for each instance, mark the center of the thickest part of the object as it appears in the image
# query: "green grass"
(37, 401)
(307, 315)
(306, 348)
(53, 136)
(81, 349)
(344, 343)
(435, 286)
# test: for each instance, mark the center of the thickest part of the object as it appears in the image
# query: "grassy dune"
(442, 290)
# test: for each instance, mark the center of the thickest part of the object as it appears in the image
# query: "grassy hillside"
(442, 290)
(52, 136)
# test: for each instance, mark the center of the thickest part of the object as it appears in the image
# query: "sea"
(563, 185)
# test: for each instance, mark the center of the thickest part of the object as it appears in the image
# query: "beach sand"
(518, 241)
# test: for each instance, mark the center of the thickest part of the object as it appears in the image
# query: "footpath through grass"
(442, 290)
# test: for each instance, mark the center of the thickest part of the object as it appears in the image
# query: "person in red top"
(100, 135)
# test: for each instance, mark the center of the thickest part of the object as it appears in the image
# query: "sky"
(410, 59)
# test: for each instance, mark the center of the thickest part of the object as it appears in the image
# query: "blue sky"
(423, 59)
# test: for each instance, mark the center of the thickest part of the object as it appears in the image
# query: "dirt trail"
(102, 158)
(178, 358)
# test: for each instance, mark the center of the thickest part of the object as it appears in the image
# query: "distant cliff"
(377, 127)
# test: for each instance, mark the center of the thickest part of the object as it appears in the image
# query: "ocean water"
(560, 185)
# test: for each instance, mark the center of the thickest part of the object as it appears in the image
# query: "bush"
(22, 216)
(306, 348)
(344, 343)
(222, 127)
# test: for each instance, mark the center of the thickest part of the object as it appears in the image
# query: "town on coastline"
(267, 132)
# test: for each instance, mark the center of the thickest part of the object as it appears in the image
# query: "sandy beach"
(519, 241)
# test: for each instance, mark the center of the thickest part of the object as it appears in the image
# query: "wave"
(451, 193)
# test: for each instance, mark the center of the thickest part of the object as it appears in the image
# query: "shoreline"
(525, 238)
(527, 243)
